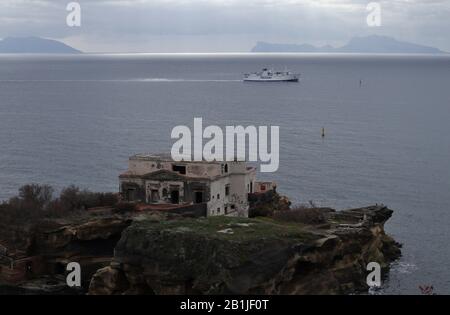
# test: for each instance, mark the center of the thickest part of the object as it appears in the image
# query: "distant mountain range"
(369, 44)
(34, 45)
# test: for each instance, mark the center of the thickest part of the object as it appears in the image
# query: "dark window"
(218, 196)
(179, 168)
(154, 195)
(198, 197)
(130, 194)
(29, 268)
(175, 196)
(226, 168)
(227, 190)
(251, 187)
(218, 210)
(226, 210)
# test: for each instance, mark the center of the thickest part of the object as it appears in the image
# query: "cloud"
(224, 25)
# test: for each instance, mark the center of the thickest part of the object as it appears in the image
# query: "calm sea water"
(76, 119)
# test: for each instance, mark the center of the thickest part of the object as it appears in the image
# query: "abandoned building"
(222, 187)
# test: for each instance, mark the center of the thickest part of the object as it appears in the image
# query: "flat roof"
(167, 157)
(153, 156)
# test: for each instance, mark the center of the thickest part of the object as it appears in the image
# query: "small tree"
(35, 196)
(69, 198)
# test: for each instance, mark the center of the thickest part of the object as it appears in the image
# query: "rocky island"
(222, 255)
(126, 249)
(34, 45)
(373, 44)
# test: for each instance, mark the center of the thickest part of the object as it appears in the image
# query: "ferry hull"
(271, 80)
(267, 75)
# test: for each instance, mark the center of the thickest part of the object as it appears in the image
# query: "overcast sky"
(222, 25)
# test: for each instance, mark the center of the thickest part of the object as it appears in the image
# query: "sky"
(222, 25)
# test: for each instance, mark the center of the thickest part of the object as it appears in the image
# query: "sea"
(75, 119)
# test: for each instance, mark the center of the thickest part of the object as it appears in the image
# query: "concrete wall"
(193, 169)
(142, 166)
(194, 211)
(218, 200)
(213, 178)
(164, 190)
(132, 184)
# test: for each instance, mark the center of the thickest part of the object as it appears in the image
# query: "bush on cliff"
(34, 196)
(28, 205)
(36, 201)
(265, 204)
(72, 198)
(301, 214)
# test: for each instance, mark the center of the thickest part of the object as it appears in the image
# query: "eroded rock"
(261, 256)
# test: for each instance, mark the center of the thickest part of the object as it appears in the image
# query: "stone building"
(158, 179)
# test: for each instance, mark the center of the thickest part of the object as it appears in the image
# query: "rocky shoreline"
(249, 256)
(159, 252)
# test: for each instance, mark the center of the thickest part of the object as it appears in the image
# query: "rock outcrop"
(221, 255)
(38, 255)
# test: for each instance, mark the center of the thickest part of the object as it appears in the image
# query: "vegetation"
(301, 214)
(230, 228)
(269, 205)
(264, 205)
(36, 201)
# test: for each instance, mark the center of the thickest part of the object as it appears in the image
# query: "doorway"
(154, 195)
(198, 197)
(130, 194)
(175, 196)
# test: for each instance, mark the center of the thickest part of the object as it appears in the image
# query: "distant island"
(369, 44)
(34, 45)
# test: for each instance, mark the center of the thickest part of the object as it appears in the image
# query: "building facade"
(157, 179)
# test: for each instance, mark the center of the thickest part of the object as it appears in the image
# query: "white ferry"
(267, 75)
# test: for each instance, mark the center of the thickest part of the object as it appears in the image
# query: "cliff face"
(41, 251)
(223, 255)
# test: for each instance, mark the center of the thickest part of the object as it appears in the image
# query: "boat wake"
(156, 80)
(186, 80)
